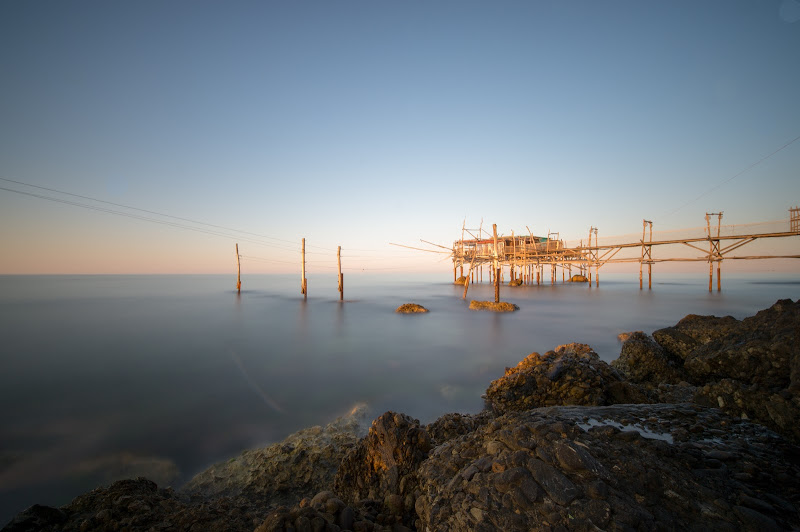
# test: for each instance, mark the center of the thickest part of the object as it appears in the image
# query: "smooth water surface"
(107, 377)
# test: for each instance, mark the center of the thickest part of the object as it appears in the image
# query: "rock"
(411, 308)
(301, 465)
(625, 335)
(643, 361)
(578, 279)
(461, 280)
(515, 282)
(502, 306)
(558, 468)
(573, 374)
(37, 517)
(747, 368)
(382, 466)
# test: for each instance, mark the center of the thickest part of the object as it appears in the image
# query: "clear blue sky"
(359, 123)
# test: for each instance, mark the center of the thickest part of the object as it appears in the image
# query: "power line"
(216, 230)
(139, 209)
(139, 217)
(712, 189)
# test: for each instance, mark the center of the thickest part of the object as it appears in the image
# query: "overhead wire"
(216, 230)
(90, 198)
(715, 187)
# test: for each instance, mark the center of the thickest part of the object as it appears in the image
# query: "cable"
(141, 210)
(712, 189)
(138, 217)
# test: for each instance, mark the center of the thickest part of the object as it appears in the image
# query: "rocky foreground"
(692, 428)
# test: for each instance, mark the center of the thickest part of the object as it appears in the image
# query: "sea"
(115, 376)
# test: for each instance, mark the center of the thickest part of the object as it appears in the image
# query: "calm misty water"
(106, 377)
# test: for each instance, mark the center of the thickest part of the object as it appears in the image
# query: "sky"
(363, 124)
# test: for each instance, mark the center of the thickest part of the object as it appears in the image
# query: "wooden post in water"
(303, 280)
(341, 277)
(496, 267)
(238, 271)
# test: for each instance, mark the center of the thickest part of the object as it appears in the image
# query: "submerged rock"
(502, 306)
(411, 308)
(461, 280)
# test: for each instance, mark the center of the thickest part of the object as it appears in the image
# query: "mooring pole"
(238, 271)
(303, 282)
(341, 278)
(496, 267)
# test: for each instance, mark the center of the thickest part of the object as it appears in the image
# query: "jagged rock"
(622, 467)
(573, 374)
(138, 505)
(622, 337)
(300, 466)
(762, 350)
(643, 361)
(747, 368)
(382, 466)
(450, 426)
(515, 282)
(461, 280)
(410, 308)
(502, 306)
(37, 517)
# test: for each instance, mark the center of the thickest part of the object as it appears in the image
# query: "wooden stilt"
(238, 271)
(303, 280)
(496, 267)
(710, 275)
(719, 276)
(649, 276)
(341, 278)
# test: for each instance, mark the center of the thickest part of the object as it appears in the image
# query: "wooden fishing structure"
(526, 257)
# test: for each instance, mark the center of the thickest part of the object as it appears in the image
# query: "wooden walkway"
(526, 257)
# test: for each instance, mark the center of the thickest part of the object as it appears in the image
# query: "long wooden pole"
(238, 271)
(341, 279)
(303, 283)
(496, 267)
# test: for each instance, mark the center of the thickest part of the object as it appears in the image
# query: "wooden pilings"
(238, 271)
(496, 267)
(303, 280)
(341, 277)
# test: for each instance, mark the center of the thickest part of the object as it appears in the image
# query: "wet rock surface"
(502, 306)
(748, 368)
(567, 442)
(621, 467)
(411, 308)
(572, 374)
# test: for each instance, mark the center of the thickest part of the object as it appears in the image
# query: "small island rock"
(502, 306)
(411, 308)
